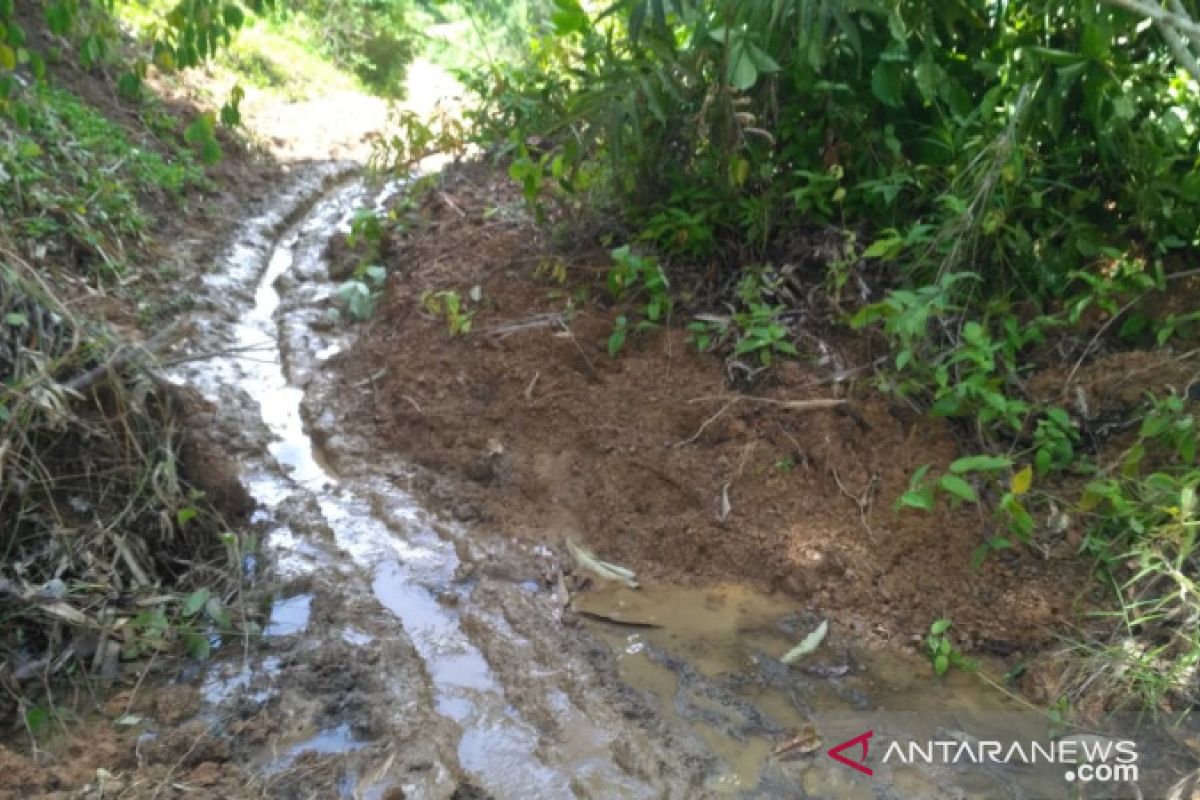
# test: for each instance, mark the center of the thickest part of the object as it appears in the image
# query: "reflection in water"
(289, 616)
(713, 664)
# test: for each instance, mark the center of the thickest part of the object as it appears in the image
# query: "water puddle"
(711, 657)
(289, 616)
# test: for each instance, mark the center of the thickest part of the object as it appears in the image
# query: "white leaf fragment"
(810, 643)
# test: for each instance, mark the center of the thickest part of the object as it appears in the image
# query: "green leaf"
(762, 61)
(185, 515)
(1095, 41)
(198, 646)
(637, 18)
(195, 601)
(8, 57)
(941, 664)
(16, 319)
(199, 130)
(233, 16)
(58, 17)
(210, 152)
(36, 719)
(980, 464)
(742, 72)
(1059, 417)
(940, 626)
(216, 611)
(959, 488)
(886, 248)
(129, 85)
(617, 340)
(886, 83)
(921, 499)
(569, 17)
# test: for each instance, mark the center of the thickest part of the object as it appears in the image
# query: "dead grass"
(101, 524)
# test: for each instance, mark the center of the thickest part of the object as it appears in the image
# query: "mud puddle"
(407, 656)
(711, 657)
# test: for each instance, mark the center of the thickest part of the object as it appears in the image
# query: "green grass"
(284, 57)
(72, 172)
(281, 55)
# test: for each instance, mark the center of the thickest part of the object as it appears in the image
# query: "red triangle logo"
(862, 740)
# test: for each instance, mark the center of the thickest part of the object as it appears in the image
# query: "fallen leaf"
(602, 569)
(805, 742)
(810, 643)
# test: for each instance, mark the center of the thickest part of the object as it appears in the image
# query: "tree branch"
(1174, 25)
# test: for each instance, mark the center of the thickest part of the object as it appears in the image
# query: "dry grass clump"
(101, 527)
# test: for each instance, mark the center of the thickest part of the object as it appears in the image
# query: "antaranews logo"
(1084, 758)
(863, 740)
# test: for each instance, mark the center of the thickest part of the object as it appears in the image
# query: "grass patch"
(284, 57)
(77, 179)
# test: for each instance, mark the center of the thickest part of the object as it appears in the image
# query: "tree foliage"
(973, 124)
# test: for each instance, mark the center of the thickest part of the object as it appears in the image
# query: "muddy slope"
(646, 459)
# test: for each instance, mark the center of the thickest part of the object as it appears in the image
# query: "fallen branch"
(817, 404)
(124, 357)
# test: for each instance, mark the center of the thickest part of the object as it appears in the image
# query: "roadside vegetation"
(1005, 195)
(115, 534)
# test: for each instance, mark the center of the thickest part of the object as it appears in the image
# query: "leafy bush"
(370, 38)
(69, 171)
(1002, 172)
(714, 125)
(637, 276)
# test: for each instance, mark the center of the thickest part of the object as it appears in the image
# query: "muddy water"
(406, 652)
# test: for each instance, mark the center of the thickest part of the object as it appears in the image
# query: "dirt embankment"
(650, 459)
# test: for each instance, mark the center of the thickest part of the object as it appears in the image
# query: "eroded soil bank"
(653, 460)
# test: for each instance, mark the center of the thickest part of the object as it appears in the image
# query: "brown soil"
(102, 758)
(1113, 385)
(647, 459)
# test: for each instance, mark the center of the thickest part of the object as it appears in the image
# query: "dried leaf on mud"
(601, 569)
(805, 742)
(810, 643)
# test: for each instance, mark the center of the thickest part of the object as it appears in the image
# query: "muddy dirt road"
(407, 655)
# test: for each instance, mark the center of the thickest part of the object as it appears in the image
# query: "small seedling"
(941, 650)
(635, 275)
(450, 304)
